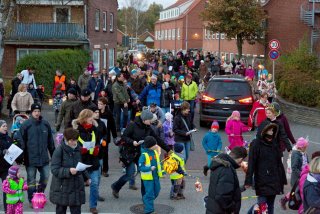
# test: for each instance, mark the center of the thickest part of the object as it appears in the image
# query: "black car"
(223, 95)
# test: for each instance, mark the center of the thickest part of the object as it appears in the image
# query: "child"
(57, 101)
(234, 129)
(212, 142)
(40, 91)
(271, 88)
(14, 186)
(177, 178)
(167, 129)
(16, 126)
(33, 93)
(299, 160)
(150, 169)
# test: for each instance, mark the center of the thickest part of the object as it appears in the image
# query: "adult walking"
(22, 101)
(266, 166)
(84, 79)
(67, 185)
(95, 85)
(189, 93)
(28, 77)
(152, 92)
(182, 124)
(14, 89)
(59, 83)
(36, 140)
(88, 132)
(224, 194)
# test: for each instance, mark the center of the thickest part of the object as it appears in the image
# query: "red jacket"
(257, 114)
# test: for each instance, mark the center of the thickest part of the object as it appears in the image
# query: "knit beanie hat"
(13, 171)
(178, 148)
(35, 106)
(215, 125)
(235, 114)
(72, 91)
(168, 116)
(302, 142)
(19, 119)
(146, 115)
(149, 142)
(2, 122)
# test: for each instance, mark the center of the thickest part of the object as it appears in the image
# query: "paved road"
(194, 201)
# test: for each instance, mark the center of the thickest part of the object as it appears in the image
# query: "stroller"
(16, 124)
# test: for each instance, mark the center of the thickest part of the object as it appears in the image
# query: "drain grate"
(159, 208)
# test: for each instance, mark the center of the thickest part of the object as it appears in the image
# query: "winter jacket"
(302, 180)
(296, 166)
(64, 113)
(75, 87)
(180, 129)
(137, 85)
(111, 125)
(265, 165)
(283, 119)
(203, 70)
(160, 114)
(22, 102)
(59, 80)
(224, 194)
(86, 135)
(212, 143)
(257, 114)
(36, 140)
(311, 192)
(152, 94)
(189, 92)
(166, 97)
(57, 102)
(83, 81)
(167, 129)
(120, 93)
(102, 130)
(95, 85)
(235, 127)
(5, 143)
(282, 138)
(15, 85)
(67, 189)
(77, 107)
(249, 73)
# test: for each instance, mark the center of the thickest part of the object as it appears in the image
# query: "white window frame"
(104, 58)
(205, 34)
(104, 18)
(178, 33)
(111, 22)
(169, 34)
(111, 61)
(217, 35)
(165, 34)
(55, 13)
(173, 34)
(31, 49)
(96, 61)
(222, 36)
(162, 35)
(213, 35)
(209, 34)
(231, 56)
(97, 22)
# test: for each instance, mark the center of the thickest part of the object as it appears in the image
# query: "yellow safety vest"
(147, 176)
(18, 196)
(175, 175)
(93, 139)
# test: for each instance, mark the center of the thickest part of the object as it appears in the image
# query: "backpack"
(295, 198)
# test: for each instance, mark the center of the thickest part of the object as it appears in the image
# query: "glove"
(96, 151)
(84, 151)
(57, 128)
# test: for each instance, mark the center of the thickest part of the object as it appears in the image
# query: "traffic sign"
(274, 44)
(274, 54)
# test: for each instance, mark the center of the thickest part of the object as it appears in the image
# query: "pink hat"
(301, 143)
(235, 114)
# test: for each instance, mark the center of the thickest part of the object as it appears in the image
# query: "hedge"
(70, 62)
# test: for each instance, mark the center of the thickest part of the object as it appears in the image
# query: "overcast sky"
(165, 3)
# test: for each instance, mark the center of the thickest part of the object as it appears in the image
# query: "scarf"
(86, 125)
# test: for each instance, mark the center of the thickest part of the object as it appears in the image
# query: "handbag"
(294, 198)
(192, 146)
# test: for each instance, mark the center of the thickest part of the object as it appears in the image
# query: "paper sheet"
(81, 166)
(170, 68)
(88, 145)
(12, 154)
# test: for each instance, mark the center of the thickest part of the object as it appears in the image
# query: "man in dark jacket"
(84, 103)
(224, 190)
(136, 83)
(36, 140)
(95, 85)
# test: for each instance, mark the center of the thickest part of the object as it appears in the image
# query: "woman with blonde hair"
(89, 141)
(22, 100)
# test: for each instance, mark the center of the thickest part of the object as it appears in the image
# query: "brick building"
(45, 25)
(289, 21)
(180, 26)
(147, 38)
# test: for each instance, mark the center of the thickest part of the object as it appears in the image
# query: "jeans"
(192, 107)
(266, 199)
(3, 176)
(31, 179)
(63, 209)
(186, 150)
(118, 108)
(94, 187)
(129, 176)
(122, 124)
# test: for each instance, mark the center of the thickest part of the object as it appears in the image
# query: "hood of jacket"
(23, 93)
(68, 149)
(311, 179)
(264, 130)
(223, 160)
(75, 123)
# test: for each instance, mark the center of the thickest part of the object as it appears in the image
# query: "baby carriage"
(17, 120)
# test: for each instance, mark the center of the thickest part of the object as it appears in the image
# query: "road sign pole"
(273, 65)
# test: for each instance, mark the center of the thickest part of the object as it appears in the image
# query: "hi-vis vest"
(175, 175)
(93, 139)
(18, 196)
(148, 175)
(60, 80)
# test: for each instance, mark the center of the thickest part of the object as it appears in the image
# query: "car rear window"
(229, 88)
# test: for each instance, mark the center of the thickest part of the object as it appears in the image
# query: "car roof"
(236, 78)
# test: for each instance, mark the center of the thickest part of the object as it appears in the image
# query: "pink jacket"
(236, 128)
(303, 178)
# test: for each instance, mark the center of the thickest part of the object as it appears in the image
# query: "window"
(178, 33)
(205, 34)
(213, 35)
(111, 22)
(208, 34)
(111, 58)
(231, 56)
(222, 36)
(173, 34)
(21, 52)
(217, 35)
(104, 58)
(165, 34)
(62, 14)
(169, 34)
(96, 59)
(104, 26)
(97, 20)
(162, 34)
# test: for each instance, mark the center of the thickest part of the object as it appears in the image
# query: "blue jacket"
(152, 94)
(95, 85)
(212, 141)
(311, 192)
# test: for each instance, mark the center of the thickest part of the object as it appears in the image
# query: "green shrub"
(70, 62)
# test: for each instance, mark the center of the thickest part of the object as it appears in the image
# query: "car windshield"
(221, 89)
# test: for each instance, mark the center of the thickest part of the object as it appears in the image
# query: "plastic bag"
(289, 170)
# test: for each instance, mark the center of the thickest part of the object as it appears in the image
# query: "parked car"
(223, 95)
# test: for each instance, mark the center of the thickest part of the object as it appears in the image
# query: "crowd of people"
(144, 106)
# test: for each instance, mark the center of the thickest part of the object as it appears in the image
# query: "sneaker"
(101, 198)
(105, 174)
(94, 210)
(181, 196)
(283, 202)
(115, 193)
(133, 187)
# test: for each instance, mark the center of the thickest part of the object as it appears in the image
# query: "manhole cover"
(159, 208)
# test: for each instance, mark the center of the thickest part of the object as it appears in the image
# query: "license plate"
(227, 102)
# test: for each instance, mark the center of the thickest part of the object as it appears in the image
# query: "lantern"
(39, 200)
(198, 185)
(51, 102)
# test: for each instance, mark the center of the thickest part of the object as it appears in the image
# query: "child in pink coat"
(234, 130)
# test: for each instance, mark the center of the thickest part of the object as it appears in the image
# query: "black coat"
(67, 189)
(15, 84)
(5, 143)
(111, 125)
(311, 192)
(180, 129)
(224, 191)
(166, 97)
(77, 107)
(266, 166)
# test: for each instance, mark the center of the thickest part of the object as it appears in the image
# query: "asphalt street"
(193, 203)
